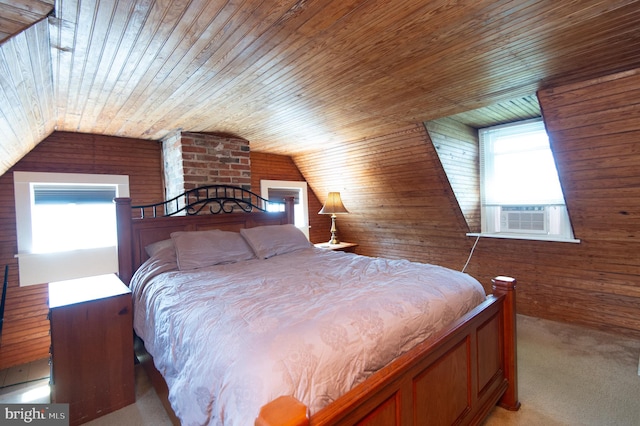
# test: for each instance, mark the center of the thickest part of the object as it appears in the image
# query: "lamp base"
(334, 232)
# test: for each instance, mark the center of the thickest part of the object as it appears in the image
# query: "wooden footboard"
(454, 378)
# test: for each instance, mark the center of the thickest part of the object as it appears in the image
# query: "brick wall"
(196, 159)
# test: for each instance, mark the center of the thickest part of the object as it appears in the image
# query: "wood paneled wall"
(400, 202)
(402, 207)
(457, 148)
(25, 335)
(282, 167)
(594, 128)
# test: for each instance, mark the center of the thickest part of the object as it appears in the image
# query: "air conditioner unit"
(524, 219)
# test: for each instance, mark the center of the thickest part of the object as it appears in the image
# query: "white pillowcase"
(271, 240)
(198, 249)
(154, 248)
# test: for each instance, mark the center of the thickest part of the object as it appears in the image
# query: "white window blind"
(521, 195)
(66, 225)
(518, 166)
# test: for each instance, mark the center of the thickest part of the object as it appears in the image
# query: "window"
(279, 189)
(521, 196)
(66, 225)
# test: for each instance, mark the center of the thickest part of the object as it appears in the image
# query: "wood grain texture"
(594, 283)
(400, 202)
(27, 111)
(87, 333)
(17, 15)
(282, 167)
(25, 334)
(457, 147)
(438, 381)
(592, 127)
(293, 75)
(343, 87)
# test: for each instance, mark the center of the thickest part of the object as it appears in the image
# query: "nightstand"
(343, 246)
(91, 346)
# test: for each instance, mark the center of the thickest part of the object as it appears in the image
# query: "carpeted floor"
(568, 375)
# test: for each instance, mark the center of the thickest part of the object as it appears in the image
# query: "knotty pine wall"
(402, 206)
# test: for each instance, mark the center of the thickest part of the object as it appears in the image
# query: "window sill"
(532, 237)
(40, 268)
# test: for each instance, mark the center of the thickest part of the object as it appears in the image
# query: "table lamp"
(333, 205)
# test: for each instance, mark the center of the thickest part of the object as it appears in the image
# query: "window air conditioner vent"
(529, 219)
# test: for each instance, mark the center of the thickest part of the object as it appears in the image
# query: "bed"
(273, 331)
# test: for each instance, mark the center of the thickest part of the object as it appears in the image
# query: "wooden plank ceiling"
(16, 15)
(291, 75)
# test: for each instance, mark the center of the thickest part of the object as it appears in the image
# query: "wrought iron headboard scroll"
(218, 198)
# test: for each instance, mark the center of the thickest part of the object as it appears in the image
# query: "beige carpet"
(568, 375)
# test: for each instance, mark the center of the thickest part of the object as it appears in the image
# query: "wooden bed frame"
(455, 377)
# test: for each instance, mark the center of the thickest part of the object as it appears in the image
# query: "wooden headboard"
(134, 234)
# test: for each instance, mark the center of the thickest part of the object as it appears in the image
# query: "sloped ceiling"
(16, 15)
(292, 76)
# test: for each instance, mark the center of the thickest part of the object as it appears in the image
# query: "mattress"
(311, 323)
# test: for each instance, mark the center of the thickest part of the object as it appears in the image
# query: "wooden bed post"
(125, 255)
(505, 286)
(283, 411)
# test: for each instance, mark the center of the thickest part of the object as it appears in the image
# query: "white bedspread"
(311, 323)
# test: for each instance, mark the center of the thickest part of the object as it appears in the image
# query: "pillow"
(271, 240)
(162, 256)
(198, 249)
(154, 248)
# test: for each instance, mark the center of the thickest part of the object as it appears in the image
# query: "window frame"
(265, 184)
(40, 268)
(555, 213)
